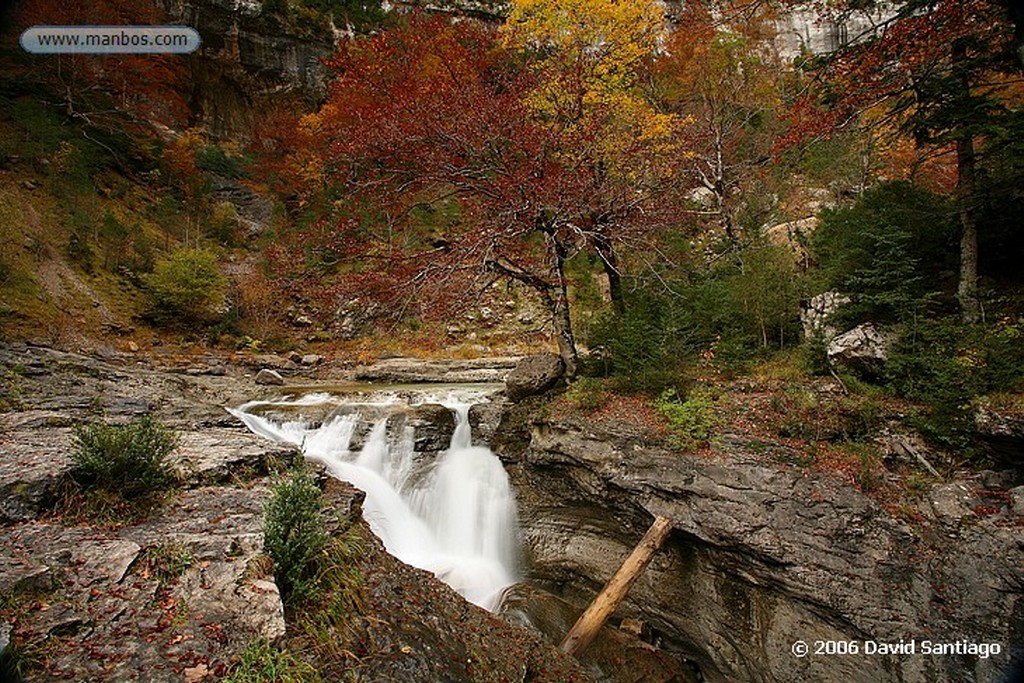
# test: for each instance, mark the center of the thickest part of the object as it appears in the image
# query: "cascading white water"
(454, 516)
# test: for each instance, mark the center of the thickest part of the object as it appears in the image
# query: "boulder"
(793, 235)
(485, 418)
(1002, 431)
(863, 349)
(815, 314)
(1017, 500)
(432, 425)
(269, 378)
(310, 359)
(533, 375)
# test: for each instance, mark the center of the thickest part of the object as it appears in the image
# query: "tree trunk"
(559, 303)
(610, 262)
(967, 290)
(591, 621)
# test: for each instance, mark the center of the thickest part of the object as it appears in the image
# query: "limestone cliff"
(763, 555)
(250, 61)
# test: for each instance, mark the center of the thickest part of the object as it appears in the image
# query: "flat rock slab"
(221, 455)
(399, 370)
(33, 463)
(106, 588)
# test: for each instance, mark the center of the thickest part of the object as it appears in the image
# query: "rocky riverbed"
(179, 594)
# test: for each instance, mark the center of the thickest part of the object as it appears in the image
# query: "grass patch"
(262, 662)
(691, 423)
(587, 394)
(168, 561)
(333, 628)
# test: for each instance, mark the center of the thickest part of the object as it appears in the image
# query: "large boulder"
(816, 313)
(432, 425)
(533, 375)
(863, 349)
(269, 377)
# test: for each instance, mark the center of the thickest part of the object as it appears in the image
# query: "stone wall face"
(763, 556)
(249, 63)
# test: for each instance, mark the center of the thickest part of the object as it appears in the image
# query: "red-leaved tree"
(435, 114)
(112, 91)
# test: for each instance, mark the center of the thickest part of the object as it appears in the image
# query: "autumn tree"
(726, 78)
(939, 73)
(109, 92)
(434, 116)
(591, 59)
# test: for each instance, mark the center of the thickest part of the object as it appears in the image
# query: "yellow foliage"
(592, 55)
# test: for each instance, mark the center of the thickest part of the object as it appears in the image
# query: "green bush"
(729, 314)
(129, 460)
(645, 346)
(587, 393)
(212, 158)
(295, 535)
(692, 422)
(946, 365)
(891, 250)
(186, 288)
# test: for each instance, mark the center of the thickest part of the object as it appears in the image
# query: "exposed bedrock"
(764, 555)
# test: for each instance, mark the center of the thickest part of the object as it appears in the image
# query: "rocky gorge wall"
(250, 63)
(763, 555)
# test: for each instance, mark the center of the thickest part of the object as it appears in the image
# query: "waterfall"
(453, 516)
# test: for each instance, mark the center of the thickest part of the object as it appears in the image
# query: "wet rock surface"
(431, 634)
(763, 555)
(180, 594)
(614, 656)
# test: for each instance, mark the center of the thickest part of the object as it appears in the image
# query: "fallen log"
(591, 621)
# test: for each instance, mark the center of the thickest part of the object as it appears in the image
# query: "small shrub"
(918, 485)
(691, 422)
(867, 476)
(587, 394)
(224, 224)
(129, 460)
(187, 287)
(212, 158)
(295, 535)
(815, 359)
(169, 561)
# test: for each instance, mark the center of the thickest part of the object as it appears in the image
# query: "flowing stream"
(453, 515)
